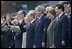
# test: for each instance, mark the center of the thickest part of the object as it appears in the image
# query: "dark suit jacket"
(69, 32)
(22, 28)
(61, 30)
(68, 39)
(18, 36)
(6, 37)
(46, 25)
(40, 31)
(30, 35)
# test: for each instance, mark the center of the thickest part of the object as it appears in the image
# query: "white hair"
(40, 8)
(31, 13)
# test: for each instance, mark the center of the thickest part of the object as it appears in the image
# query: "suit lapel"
(40, 21)
(37, 26)
(61, 18)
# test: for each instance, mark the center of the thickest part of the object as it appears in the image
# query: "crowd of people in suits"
(45, 27)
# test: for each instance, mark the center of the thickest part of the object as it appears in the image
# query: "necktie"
(37, 21)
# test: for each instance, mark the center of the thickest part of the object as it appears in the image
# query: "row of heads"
(50, 9)
(40, 9)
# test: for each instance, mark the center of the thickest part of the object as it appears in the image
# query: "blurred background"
(13, 7)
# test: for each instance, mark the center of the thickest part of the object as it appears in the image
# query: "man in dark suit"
(18, 36)
(61, 28)
(21, 20)
(30, 29)
(67, 11)
(40, 28)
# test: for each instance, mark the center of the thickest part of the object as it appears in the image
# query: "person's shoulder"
(34, 21)
(45, 17)
(54, 20)
(65, 16)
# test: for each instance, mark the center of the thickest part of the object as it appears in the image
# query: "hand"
(8, 17)
(53, 46)
(9, 47)
(34, 46)
(63, 42)
(43, 44)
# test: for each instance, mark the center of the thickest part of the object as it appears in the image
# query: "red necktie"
(37, 21)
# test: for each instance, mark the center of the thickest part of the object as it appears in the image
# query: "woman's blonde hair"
(51, 10)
